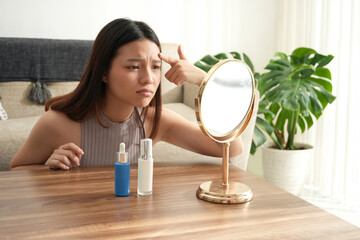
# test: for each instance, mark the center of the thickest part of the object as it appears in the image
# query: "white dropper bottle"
(145, 168)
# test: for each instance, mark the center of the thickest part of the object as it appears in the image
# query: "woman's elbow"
(13, 165)
(236, 147)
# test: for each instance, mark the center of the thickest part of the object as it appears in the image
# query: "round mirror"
(225, 100)
(223, 109)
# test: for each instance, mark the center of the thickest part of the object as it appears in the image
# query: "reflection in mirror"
(226, 98)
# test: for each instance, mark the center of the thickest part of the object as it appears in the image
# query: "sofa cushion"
(14, 97)
(14, 132)
(190, 93)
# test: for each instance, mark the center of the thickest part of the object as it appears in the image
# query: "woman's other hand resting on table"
(65, 157)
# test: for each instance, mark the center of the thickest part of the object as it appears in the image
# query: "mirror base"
(215, 192)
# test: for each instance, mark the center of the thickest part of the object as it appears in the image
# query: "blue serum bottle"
(122, 173)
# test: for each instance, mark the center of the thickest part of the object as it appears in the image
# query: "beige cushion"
(14, 132)
(16, 104)
(190, 93)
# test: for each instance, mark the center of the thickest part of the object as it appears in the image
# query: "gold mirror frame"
(224, 192)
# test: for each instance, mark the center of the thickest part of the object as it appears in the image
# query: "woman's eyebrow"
(142, 60)
(136, 60)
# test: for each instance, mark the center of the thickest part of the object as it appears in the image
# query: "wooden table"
(80, 204)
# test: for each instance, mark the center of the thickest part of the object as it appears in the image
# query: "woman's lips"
(145, 92)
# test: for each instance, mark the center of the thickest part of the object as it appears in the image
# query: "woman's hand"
(182, 70)
(65, 157)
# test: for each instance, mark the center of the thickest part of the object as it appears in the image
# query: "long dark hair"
(87, 96)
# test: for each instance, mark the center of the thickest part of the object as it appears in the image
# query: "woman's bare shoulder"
(57, 120)
(52, 130)
(59, 124)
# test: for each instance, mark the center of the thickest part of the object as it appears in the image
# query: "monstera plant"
(296, 88)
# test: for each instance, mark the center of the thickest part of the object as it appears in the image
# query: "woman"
(117, 100)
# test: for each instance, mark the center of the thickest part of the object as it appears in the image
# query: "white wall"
(201, 26)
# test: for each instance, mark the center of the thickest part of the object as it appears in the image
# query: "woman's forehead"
(139, 48)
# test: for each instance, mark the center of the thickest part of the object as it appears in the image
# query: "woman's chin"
(143, 104)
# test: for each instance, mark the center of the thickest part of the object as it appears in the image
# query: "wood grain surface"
(80, 204)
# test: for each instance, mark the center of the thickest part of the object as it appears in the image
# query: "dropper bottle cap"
(122, 155)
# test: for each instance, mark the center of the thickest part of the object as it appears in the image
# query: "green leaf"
(270, 75)
(304, 99)
(253, 147)
(248, 62)
(325, 61)
(281, 55)
(210, 60)
(265, 111)
(291, 104)
(315, 106)
(301, 123)
(271, 84)
(283, 62)
(317, 58)
(283, 116)
(321, 82)
(321, 98)
(328, 96)
(264, 125)
(274, 108)
(294, 60)
(309, 121)
(263, 103)
(276, 66)
(236, 55)
(272, 94)
(302, 71)
(206, 68)
(302, 51)
(221, 56)
(323, 72)
(260, 137)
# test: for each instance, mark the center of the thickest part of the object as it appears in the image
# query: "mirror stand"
(223, 110)
(224, 192)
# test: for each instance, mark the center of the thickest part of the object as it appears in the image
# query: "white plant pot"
(287, 169)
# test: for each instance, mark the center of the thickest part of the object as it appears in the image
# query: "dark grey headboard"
(46, 60)
(42, 60)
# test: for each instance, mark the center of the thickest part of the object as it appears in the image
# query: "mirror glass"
(227, 98)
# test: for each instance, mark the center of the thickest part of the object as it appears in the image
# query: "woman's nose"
(147, 77)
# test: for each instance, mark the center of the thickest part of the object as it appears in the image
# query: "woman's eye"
(156, 67)
(133, 67)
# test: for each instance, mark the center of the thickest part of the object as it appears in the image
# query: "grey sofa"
(59, 65)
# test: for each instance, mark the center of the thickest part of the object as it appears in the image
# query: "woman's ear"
(104, 78)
